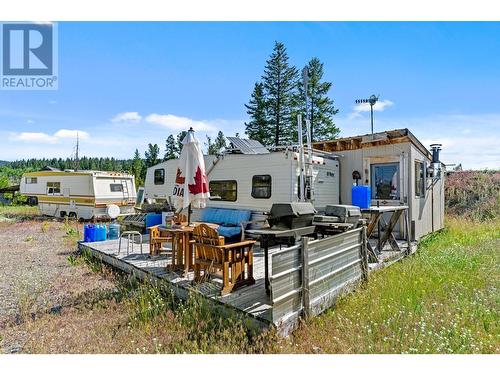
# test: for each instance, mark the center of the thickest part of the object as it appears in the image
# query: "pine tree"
(258, 128)
(138, 168)
(280, 85)
(217, 145)
(321, 107)
(171, 148)
(151, 155)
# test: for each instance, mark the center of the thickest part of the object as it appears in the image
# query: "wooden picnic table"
(387, 235)
(182, 249)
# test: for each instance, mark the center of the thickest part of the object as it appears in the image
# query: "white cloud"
(33, 137)
(379, 106)
(52, 101)
(66, 133)
(179, 123)
(30, 122)
(127, 117)
(38, 137)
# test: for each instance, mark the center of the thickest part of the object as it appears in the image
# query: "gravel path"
(36, 277)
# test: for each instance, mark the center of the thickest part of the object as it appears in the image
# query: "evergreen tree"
(171, 148)
(137, 168)
(151, 155)
(217, 145)
(321, 107)
(280, 86)
(257, 128)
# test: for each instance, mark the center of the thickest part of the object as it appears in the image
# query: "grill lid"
(292, 209)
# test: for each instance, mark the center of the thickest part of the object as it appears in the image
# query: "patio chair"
(235, 260)
(156, 241)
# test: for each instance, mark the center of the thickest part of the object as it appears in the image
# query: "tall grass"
(443, 299)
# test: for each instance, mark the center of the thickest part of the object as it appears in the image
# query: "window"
(307, 189)
(53, 188)
(385, 181)
(31, 180)
(261, 186)
(159, 176)
(223, 190)
(419, 179)
(116, 187)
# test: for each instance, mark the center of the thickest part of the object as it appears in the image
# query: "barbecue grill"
(337, 218)
(291, 215)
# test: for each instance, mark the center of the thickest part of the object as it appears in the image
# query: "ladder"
(126, 195)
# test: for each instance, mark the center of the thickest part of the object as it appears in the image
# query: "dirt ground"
(38, 280)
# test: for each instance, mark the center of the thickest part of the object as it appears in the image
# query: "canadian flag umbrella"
(191, 183)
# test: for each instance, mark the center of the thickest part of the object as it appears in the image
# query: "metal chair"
(130, 237)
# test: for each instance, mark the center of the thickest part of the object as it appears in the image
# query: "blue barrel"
(114, 231)
(152, 219)
(101, 232)
(361, 196)
(88, 233)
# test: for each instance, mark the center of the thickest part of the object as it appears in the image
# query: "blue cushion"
(235, 217)
(229, 231)
(224, 216)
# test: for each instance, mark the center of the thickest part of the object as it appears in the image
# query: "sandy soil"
(37, 280)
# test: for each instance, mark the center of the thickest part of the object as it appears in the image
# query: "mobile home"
(82, 194)
(254, 181)
(400, 171)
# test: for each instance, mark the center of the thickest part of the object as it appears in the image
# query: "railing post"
(364, 255)
(305, 276)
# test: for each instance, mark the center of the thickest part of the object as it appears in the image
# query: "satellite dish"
(113, 211)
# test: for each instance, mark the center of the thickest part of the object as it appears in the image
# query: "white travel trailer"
(81, 194)
(254, 181)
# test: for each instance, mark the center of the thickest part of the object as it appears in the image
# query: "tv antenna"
(371, 100)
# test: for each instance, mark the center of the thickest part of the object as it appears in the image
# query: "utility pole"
(371, 100)
(77, 159)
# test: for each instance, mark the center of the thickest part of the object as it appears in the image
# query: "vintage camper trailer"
(82, 194)
(400, 171)
(254, 181)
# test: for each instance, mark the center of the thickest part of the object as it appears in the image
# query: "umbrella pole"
(189, 214)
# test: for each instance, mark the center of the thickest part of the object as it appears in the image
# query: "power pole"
(77, 159)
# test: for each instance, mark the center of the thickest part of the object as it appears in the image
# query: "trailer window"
(53, 188)
(226, 190)
(419, 179)
(116, 187)
(31, 180)
(261, 186)
(385, 181)
(159, 176)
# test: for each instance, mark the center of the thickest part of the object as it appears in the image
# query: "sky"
(123, 85)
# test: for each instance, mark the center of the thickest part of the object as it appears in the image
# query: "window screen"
(223, 190)
(385, 181)
(116, 187)
(53, 188)
(419, 179)
(261, 186)
(31, 180)
(159, 176)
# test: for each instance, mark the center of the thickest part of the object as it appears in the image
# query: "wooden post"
(408, 237)
(364, 255)
(305, 276)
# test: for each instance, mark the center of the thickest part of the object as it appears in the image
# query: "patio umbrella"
(191, 183)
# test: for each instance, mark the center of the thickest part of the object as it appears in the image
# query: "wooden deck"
(250, 301)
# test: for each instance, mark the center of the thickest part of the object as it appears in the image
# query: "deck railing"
(307, 278)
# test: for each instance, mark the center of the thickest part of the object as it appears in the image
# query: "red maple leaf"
(200, 183)
(178, 178)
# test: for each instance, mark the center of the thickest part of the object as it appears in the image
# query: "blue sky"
(123, 85)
